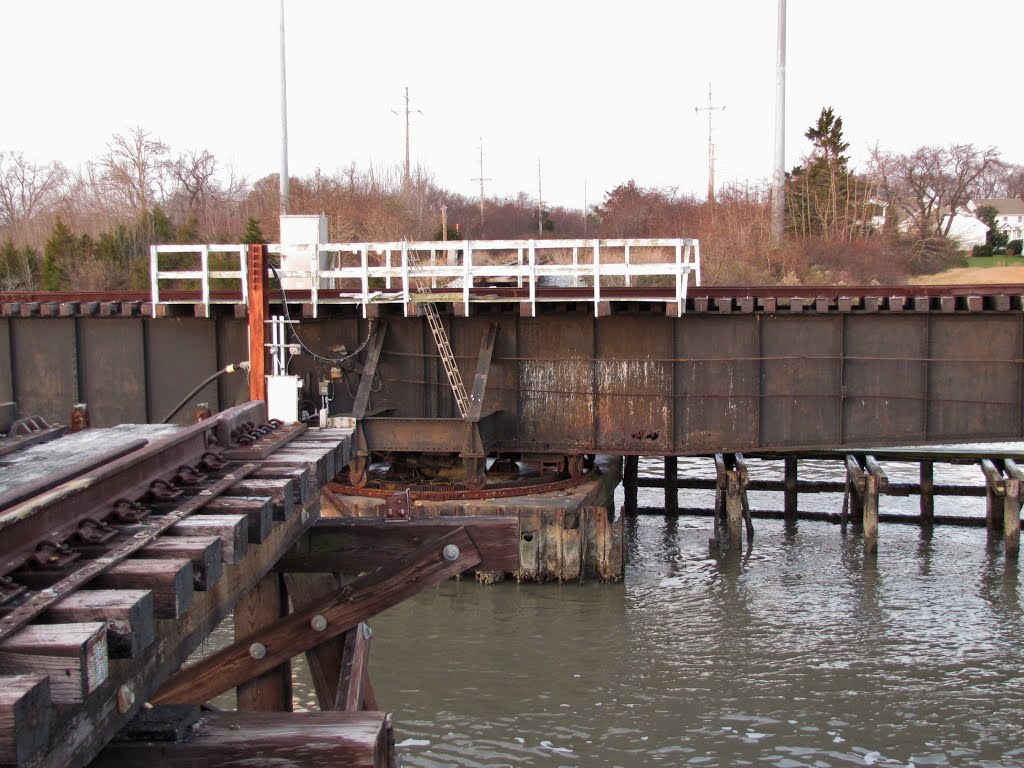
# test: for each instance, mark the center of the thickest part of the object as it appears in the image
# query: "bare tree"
(135, 167)
(193, 171)
(932, 183)
(27, 190)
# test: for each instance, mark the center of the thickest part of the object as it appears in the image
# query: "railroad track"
(115, 566)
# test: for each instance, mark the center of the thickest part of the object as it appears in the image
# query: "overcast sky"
(600, 91)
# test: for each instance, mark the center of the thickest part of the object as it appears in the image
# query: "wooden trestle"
(113, 572)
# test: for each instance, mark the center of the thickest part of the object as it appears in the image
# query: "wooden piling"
(629, 483)
(790, 493)
(869, 514)
(995, 493)
(671, 486)
(1011, 510)
(927, 493)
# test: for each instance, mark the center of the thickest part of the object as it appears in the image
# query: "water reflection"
(798, 652)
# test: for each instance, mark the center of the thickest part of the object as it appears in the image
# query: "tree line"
(90, 227)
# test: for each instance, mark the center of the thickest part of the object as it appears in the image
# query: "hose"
(231, 368)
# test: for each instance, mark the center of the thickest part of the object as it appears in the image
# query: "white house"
(1009, 216)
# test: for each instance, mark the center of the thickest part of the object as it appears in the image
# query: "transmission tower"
(710, 109)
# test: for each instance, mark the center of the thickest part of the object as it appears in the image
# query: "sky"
(600, 92)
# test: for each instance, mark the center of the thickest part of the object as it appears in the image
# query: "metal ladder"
(444, 348)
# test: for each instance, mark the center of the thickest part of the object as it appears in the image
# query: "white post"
(576, 266)
(243, 268)
(405, 276)
(626, 258)
(467, 281)
(520, 282)
(204, 261)
(680, 281)
(154, 281)
(779, 170)
(365, 277)
(533, 280)
(696, 261)
(597, 275)
(314, 286)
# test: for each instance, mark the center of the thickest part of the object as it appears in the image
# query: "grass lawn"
(983, 262)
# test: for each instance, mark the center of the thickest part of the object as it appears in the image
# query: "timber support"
(1003, 504)
(732, 508)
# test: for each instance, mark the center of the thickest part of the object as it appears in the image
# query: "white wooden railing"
(452, 268)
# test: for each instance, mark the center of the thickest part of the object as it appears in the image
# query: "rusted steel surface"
(852, 367)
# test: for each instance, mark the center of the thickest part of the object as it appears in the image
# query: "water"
(797, 654)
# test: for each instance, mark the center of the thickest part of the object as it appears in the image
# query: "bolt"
(451, 552)
(367, 632)
(318, 623)
(257, 650)
(125, 699)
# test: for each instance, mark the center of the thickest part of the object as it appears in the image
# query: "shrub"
(1015, 247)
(981, 250)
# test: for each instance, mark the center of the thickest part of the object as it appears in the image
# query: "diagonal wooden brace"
(427, 565)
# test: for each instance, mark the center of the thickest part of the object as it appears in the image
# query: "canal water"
(796, 653)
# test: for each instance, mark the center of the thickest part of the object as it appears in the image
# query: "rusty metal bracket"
(398, 507)
(93, 531)
(52, 556)
(163, 491)
(127, 511)
(188, 476)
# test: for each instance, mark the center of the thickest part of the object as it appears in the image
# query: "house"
(1009, 215)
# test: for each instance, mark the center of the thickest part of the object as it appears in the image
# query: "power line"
(710, 109)
(407, 113)
(481, 178)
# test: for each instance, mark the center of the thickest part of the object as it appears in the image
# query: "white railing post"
(519, 283)
(696, 251)
(314, 285)
(680, 280)
(387, 270)
(533, 279)
(575, 266)
(597, 276)
(626, 259)
(365, 276)
(243, 267)
(467, 281)
(405, 278)
(204, 266)
(154, 268)
(433, 263)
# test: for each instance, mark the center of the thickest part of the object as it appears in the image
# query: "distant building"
(1009, 216)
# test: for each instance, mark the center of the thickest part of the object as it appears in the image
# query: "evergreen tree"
(822, 197)
(60, 251)
(253, 233)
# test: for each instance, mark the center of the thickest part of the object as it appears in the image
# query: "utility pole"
(540, 203)
(481, 178)
(710, 109)
(284, 125)
(405, 182)
(585, 212)
(779, 172)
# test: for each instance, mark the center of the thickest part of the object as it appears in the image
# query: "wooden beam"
(263, 650)
(324, 660)
(355, 672)
(280, 491)
(73, 655)
(232, 530)
(358, 545)
(483, 367)
(204, 552)
(128, 614)
(260, 608)
(172, 583)
(362, 399)
(237, 739)
(258, 509)
(24, 717)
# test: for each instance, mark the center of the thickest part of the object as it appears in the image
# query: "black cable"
(227, 369)
(284, 304)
